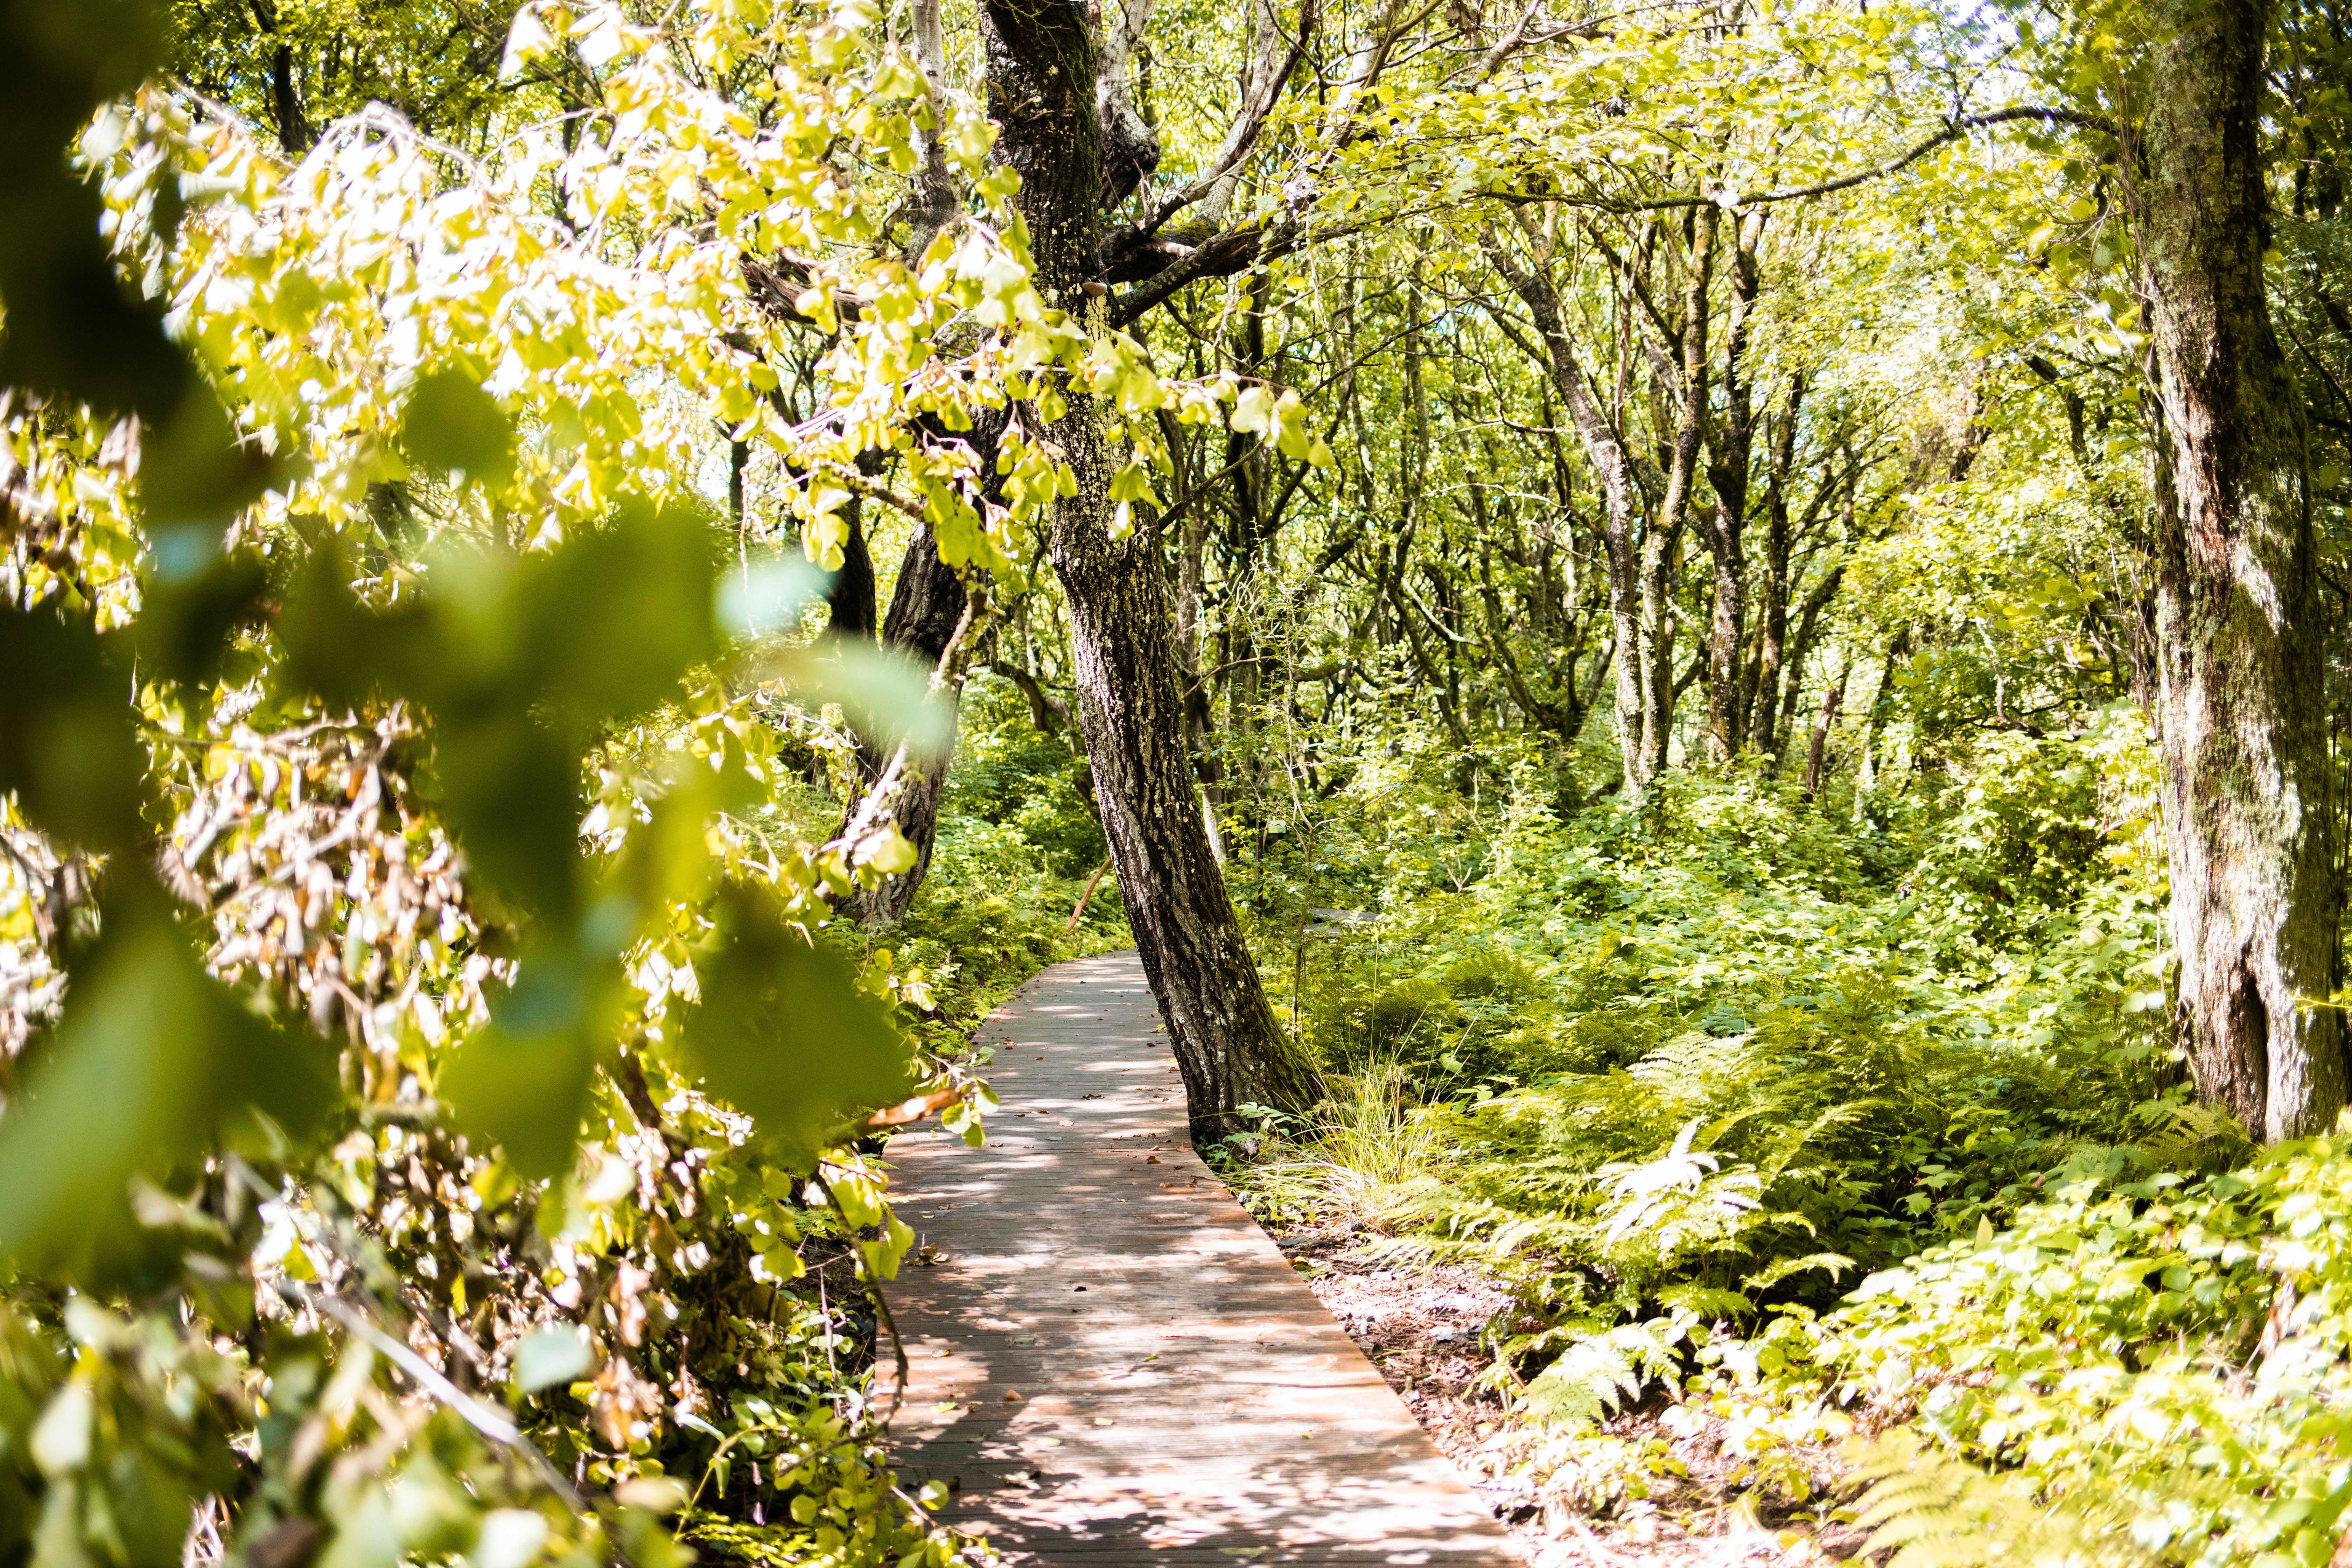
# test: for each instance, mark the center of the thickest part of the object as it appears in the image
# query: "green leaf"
(556, 1353)
(523, 1080)
(510, 789)
(192, 600)
(782, 1031)
(152, 1061)
(610, 621)
(452, 423)
(886, 696)
(67, 746)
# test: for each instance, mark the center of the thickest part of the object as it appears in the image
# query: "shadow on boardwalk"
(1110, 1361)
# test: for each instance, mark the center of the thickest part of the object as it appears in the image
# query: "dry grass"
(1369, 1135)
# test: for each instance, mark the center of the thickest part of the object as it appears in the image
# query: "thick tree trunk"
(2239, 625)
(1232, 1050)
(849, 595)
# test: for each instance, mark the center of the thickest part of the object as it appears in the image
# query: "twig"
(881, 1306)
(491, 1423)
(1092, 883)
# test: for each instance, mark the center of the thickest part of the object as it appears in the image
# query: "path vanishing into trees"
(1109, 1360)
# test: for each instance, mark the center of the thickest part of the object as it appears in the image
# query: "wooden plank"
(1185, 1400)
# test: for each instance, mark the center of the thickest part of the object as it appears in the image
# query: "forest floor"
(1421, 1329)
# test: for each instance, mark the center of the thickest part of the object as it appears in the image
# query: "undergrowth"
(1798, 1126)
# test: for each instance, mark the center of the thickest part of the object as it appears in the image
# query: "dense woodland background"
(1704, 645)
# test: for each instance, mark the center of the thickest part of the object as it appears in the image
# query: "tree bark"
(1662, 544)
(1229, 1046)
(1817, 750)
(849, 592)
(2238, 616)
(1762, 695)
(1231, 1049)
(1725, 534)
(925, 609)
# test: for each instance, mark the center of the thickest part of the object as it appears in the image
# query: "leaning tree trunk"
(2238, 609)
(1232, 1050)
(1632, 655)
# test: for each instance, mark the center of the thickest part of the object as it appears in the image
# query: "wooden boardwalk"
(1110, 1361)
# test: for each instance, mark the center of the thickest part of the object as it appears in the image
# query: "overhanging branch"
(1952, 131)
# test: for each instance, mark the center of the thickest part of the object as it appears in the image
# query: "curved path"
(1110, 1361)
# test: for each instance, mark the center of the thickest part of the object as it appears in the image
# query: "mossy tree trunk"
(2238, 616)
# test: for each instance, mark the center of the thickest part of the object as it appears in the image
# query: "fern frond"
(1935, 1512)
(1602, 1372)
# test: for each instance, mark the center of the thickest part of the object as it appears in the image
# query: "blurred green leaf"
(67, 745)
(73, 328)
(451, 423)
(523, 1080)
(553, 1354)
(782, 1031)
(612, 619)
(512, 791)
(193, 472)
(886, 696)
(151, 1061)
(192, 598)
(767, 597)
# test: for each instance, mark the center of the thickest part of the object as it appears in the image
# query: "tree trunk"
(1232, 1050)
(1230, 1046)
(1726, 533)
(1763, 694)
(1881, 704)
(1643, 671)
(925, 609)
(2239, 622)
(1662, 545)
(1817, 751)
(849, 592)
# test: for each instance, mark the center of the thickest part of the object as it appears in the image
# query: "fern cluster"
(1687, 1074)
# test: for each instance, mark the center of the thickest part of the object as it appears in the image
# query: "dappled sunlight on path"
(1109, 1360)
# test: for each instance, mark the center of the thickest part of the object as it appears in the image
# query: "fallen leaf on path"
(1012, 1397)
